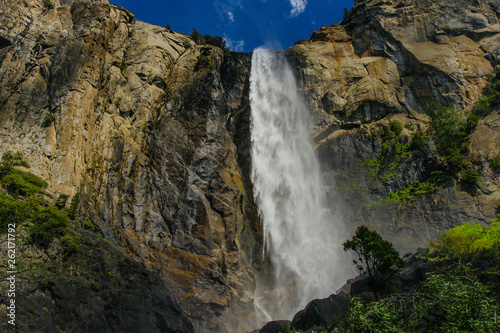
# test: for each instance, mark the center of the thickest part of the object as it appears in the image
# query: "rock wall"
(382, 63)
(125, 114)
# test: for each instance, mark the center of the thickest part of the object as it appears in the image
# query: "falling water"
(300, 237)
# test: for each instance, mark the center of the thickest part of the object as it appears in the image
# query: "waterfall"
(300, 237)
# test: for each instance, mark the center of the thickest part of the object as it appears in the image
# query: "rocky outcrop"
(127, 115)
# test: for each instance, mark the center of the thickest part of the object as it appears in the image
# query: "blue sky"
(245, 24)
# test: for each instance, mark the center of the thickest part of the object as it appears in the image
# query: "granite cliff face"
(383, 63)
(152, 131)
(139, 130)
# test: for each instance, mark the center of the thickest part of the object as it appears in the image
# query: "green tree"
(196, 36)
(375, 256)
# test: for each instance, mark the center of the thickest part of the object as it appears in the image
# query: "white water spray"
(302, 241)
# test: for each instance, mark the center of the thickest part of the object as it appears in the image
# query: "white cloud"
(230, 15)
(234, 45)
(298, 7)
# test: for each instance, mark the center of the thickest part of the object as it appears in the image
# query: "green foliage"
(495, 162)
(396, 127)
(393, 147)
(203, 62)
(207, 39)
(470, 176)
(14, 159)
(418, 141)
(48, 223)
(375, 256)
(491, 99)
(168, 27)
(73, 206)
(61, 201)
(49, 118)
(196, 36)
(11, 211)
(23, 207)
(71, 242)
(449, 135)
(455, 302)
(413, 192)
(472, 120)
(467, 241)
(88, 225)
(123, 66)
(22, 183)
(48, 4)
(373, 317)
(347, 12)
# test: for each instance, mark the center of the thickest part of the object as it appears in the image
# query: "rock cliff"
(152, 131)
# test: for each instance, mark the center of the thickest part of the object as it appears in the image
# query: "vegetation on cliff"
(460, 291)
(22, 203)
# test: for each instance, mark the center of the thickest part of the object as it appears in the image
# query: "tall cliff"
(152, 131)
(383, 63)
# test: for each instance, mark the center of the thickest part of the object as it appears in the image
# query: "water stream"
(302, 239)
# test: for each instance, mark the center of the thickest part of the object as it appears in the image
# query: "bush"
(88, 225)
(71, 242)
(375, 256)
(469, 242)
(11, 211)
(48, 223)
(61, 201)
(495, 162)
(48, 4)
(470, 176)
(14, 159)
(23, 183)
(449, 135)
(396, 127)
(49, 118)
(73, 206)
(491, 99)
(203, 62)
(455, 302)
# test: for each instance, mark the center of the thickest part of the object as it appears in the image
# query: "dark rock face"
(98, 289)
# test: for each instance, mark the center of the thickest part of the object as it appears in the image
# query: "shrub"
(73, 206)
(23, 183)
(48, 4)
(48, 223)
(470, 176)
(61, 201)
(449, 135)
(49, 118)
(14, 159)
(11, 211)
(88, 225)
(467, 241)
(70, 242)
(491, 99)
(495, 162)
(455, 302)
(418, 141)
(375, 256)
(203, 62)
(396, 127)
